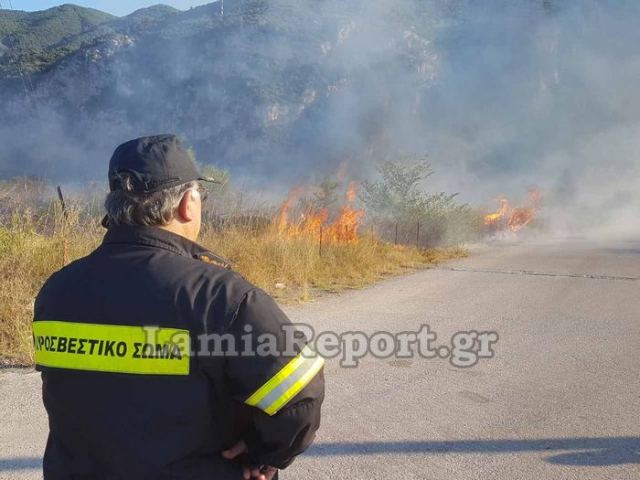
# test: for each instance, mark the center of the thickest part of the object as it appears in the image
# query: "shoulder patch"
(213, 259)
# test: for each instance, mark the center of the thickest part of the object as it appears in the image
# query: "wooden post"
(396, 238)
(65, 216)
(64, 206)
(320, 243)
(418, 235)
(371, 232)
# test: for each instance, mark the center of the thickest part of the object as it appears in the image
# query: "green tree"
(399, 194)
(327, 195)
(399, 197)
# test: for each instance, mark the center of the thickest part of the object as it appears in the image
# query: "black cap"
(154, 163)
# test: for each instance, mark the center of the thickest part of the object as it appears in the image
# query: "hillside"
(248, 90)
(34, 41)
(284, 92)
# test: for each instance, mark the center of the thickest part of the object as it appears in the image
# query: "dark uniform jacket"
(127, 402)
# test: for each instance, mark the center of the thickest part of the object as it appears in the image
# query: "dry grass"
(298, 264)
(27, 258)
(293, 270)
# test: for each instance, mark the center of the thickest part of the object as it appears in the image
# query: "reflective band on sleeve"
(287, 383)
(111, 348)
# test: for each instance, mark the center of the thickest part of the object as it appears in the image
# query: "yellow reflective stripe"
(282, 375)
(112, 348)
(278, 385)
(296, 387)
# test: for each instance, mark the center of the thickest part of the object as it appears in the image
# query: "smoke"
(502, 95)
(545, 97)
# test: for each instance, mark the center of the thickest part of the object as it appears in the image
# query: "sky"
(115, 7)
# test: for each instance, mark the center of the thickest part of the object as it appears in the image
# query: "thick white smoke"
(501, 95)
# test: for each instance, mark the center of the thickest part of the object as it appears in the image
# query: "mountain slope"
(249, 90)
(286, 91)
(35, 40)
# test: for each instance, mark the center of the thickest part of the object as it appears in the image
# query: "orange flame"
(313, 223)
(351, 192)
(514, 219)
(282, 221)
(494, 219)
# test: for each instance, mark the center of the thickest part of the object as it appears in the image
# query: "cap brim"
(210, 180)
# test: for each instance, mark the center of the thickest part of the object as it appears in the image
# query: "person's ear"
(188, 205)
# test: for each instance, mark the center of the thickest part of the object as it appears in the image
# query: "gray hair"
(124, 207)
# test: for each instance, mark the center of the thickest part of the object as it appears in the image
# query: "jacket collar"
(159, 238)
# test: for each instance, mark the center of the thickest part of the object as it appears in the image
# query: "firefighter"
(149, 346)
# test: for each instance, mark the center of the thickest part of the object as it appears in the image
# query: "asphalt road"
(560, 398)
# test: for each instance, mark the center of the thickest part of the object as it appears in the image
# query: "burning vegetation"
(317, 222)
(513, 219)
(397, 208)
